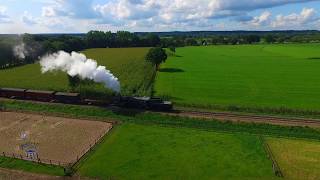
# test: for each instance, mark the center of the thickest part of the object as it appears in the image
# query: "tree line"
(270, 38)
(40, 44)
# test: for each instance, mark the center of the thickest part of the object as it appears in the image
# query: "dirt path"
(8, 174)
(249, 118)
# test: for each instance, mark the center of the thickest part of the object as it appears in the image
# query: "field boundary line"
(38, 160)
(275, 165)
(64, 115)
(75, 166)
(91, 146)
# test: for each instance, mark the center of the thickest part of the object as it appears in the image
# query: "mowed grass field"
(298, 159)
(155, 152)
(128, 64)
(257, 76)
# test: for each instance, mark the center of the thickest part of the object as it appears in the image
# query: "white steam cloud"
(77, 64)
(20, 51)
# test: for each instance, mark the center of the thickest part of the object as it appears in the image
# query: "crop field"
(60, 140)
(253, 76)
(128, 64)
(298, 159)
(155, 152)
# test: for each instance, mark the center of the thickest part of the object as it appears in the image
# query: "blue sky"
(70, 16)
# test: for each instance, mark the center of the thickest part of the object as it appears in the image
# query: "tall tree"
(156, 56)
(96, 39)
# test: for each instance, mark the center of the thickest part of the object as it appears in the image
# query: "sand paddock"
(53, 138)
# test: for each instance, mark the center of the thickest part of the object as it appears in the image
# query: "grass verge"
(29, 166)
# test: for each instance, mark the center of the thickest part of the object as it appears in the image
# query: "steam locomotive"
(146, 103)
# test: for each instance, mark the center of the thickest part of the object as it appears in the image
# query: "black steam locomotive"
(146, 103)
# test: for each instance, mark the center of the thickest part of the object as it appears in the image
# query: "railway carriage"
(13, 93)
(46, 96)
(146, 103)
(72, 98)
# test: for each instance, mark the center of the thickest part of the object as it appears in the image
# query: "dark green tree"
(6, 55)
(96, 39)
(153, 40)
(172, 49)
(74, 81)
(270, 38)
(156, 56)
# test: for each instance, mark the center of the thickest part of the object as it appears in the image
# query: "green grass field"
(251, 76)
(135, 74)
(154, 152)
(30, 166)
(298, 159)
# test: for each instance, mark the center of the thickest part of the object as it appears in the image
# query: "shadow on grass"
(314, 58)
(171, 70)
(127, 112)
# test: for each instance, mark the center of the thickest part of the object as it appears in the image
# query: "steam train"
(146, 103)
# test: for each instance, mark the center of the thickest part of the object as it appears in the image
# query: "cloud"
(159, 15)
(48, 11)
(28, 19)
(47, 21)
(253, 4)
(164, 11)
(4, 18)
(80, 9)
(177, 12)
(262, 20)
(305, 17)
(303, 20)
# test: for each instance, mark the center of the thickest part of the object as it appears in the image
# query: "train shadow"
(126, 111)
(314, 58)
(171, 70)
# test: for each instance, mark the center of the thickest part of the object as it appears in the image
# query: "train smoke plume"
(20, 51)
(77, 64)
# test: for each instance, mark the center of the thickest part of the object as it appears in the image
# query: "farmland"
(128, 64)
(252, 76)
(56, 141)
(148, 145)
(160, 144)
(298, 159)
(170, 153)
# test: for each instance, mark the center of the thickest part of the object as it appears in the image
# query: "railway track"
(250, 118)
(228, 116)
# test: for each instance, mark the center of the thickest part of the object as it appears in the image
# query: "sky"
(78, 16)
